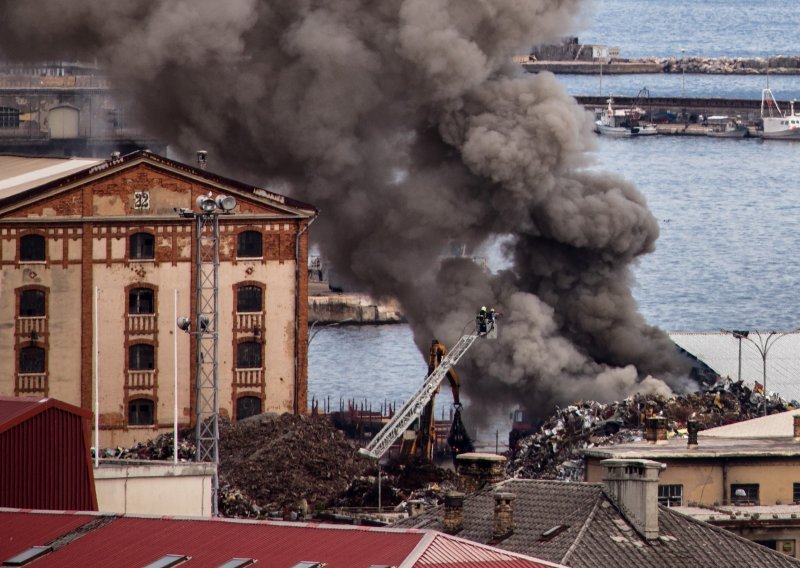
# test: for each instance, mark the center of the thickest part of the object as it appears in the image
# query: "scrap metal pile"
(553, 452)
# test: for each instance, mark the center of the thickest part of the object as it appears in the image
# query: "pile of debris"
(287, 463)
(553, 452)
(292, 466)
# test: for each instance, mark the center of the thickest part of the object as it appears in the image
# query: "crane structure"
(416, 405)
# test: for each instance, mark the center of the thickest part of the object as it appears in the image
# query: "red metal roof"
(21, 530)
(44, 455)
(137, 541)
(16, 409)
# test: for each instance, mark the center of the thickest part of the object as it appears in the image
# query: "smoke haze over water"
(406, 124)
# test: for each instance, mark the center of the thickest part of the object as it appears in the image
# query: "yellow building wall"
(703, 480)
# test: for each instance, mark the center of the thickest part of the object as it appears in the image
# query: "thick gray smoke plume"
(407, 124)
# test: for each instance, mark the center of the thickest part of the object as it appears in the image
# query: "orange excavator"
(422, 444)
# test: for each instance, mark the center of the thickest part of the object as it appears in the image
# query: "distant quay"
(778, 65)
(352, 309)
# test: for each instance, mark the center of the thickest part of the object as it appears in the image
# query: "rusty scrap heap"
(553, 452)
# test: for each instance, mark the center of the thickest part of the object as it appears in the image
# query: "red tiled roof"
(20, 531)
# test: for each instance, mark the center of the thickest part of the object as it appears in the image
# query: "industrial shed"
(44, 455)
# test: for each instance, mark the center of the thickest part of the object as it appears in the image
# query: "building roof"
(22, 178)
(14, 410)
(780, 425)
(711, 447)
(21, 530)
(137, 541)
(591, 531)
(19, 174)
(724, 515)
(720, 351)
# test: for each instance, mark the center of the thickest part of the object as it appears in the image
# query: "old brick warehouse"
(69, 226)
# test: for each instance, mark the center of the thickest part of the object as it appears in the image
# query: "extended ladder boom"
(413, 408)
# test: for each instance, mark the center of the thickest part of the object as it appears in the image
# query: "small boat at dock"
(725, 127)
(778, 125)
(623, 122)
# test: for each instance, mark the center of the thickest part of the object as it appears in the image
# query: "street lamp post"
(205, 329)
(763, 345)
(683, 74)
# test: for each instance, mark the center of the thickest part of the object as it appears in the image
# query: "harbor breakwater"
(344, 308)
(776, 65)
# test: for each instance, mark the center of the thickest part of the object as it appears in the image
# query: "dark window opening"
(31, 304)
(744, 493)
(248, 299)
(31, 360)
(796, 493)
(142, 246)
(247, 406)
(141, 357)
(670, 495)
(9, 117)
(249, 245)
(248, 355)
(140, 412)
(31, 248)
(141, 301)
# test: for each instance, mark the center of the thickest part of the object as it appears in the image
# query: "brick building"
(71, 226)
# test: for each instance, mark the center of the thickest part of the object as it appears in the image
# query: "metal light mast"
(207, 322)
(205, 330)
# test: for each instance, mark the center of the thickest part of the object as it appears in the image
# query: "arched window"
(141, 357)
(31, 360)
(31, 248)
(249, 245)
(247, 406)
(31, 304)
(249, 299)
(140, 412)
(142, 246)
(248, 355)
(140, 301)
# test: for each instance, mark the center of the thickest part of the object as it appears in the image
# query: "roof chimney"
(202, 158)
(453, 512)
(796, 418)
(476, 470)
(693, 427)
(115, 155)
(634, 486)
(503, 516)
(655, 430)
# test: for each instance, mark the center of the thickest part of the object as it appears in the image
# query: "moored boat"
(725, 127)
(623, 122)
(778, 125)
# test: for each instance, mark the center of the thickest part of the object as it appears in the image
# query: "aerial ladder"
(417, 404)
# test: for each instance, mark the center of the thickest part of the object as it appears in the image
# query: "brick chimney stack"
(693, 427)
(476, 470)
(655, 430)
(796, 418)
(503, 515)
(634, 485)
(453, 512)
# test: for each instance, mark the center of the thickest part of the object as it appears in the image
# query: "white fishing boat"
(623, 122)
(778, 125)
(725, 127)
